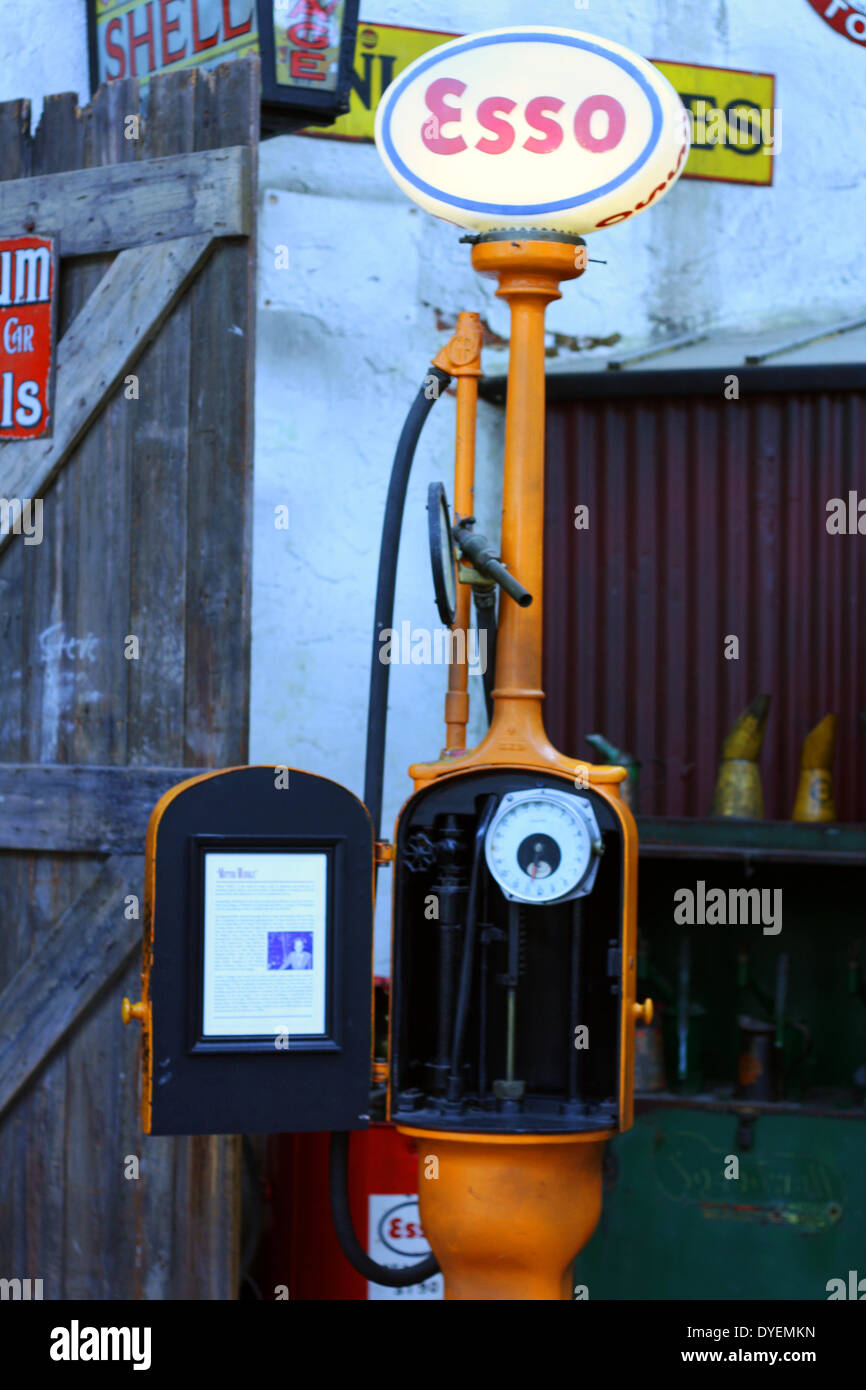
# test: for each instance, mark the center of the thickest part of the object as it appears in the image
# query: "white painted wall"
(346, 332)
(43, 50)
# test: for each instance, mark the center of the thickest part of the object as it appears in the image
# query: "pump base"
(505, 1215)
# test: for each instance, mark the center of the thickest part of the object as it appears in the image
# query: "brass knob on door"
(129, 1011)
(643, 1013)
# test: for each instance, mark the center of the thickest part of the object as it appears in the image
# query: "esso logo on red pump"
(532, 127)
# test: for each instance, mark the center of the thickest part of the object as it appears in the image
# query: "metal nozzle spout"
(486, 561)
(814, 800)
(738, 788)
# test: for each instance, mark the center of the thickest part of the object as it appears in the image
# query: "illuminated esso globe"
(533, 127)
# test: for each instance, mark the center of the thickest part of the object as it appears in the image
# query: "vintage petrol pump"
(515, 866)
(514, 947)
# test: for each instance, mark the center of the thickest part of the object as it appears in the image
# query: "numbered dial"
(543, 846)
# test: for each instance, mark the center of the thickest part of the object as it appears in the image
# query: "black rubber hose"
(377, 709)
(374, 775)
(338, 1179)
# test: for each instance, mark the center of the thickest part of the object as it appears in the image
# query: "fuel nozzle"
(485, 560)
(814, 799)
(738, 788)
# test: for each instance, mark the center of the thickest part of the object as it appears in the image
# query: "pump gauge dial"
(543, 846)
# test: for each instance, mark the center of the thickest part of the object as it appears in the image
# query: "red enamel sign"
(28, 300)
(847, 17)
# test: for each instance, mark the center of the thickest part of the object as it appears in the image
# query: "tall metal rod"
(575, 1055)
(482, 1019)
(447, 957)
(450, 891)
(482, 988)
(461, 357)
(511, 999)
(455, 1077)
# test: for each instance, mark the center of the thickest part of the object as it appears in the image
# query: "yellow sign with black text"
(736, 132)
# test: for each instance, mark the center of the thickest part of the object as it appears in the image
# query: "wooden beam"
(126, 309)
(80, 808)
(89, 945)
(130, 204)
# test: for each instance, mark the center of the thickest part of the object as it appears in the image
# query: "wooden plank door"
(146, 488)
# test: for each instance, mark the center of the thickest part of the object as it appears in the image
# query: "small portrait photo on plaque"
(290, 950)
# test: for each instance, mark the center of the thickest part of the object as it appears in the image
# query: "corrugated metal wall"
(707, 517)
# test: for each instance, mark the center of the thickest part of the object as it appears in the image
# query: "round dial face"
(539, 846)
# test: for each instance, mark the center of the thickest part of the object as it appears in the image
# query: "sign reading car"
(532, 127)
(28, 308)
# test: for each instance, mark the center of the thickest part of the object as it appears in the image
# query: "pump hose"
(352, 1248)
(374, 774)
(377, 709)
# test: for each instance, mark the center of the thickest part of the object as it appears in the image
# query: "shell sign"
(532, 127)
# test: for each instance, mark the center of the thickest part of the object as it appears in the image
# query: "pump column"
(529, 273)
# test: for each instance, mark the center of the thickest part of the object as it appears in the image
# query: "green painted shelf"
(829, 1105)
(671, 837)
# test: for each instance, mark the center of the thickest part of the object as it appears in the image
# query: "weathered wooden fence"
(146, 532)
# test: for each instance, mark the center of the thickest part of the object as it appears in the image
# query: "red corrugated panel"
(707, 518)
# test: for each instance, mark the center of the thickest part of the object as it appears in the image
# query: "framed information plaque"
(257, 974)
(266, 933)
(264, 943)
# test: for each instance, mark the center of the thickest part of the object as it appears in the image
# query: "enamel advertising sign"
(847, 17)
(28, 300)
(135, 38)
(533, 127)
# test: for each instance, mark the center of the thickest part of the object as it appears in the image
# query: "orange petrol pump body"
(506, 1213)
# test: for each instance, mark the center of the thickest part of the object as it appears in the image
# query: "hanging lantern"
(307, 50)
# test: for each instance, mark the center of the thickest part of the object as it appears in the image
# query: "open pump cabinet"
(545, 979)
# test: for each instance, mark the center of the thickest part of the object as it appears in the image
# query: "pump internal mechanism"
(507, 956)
